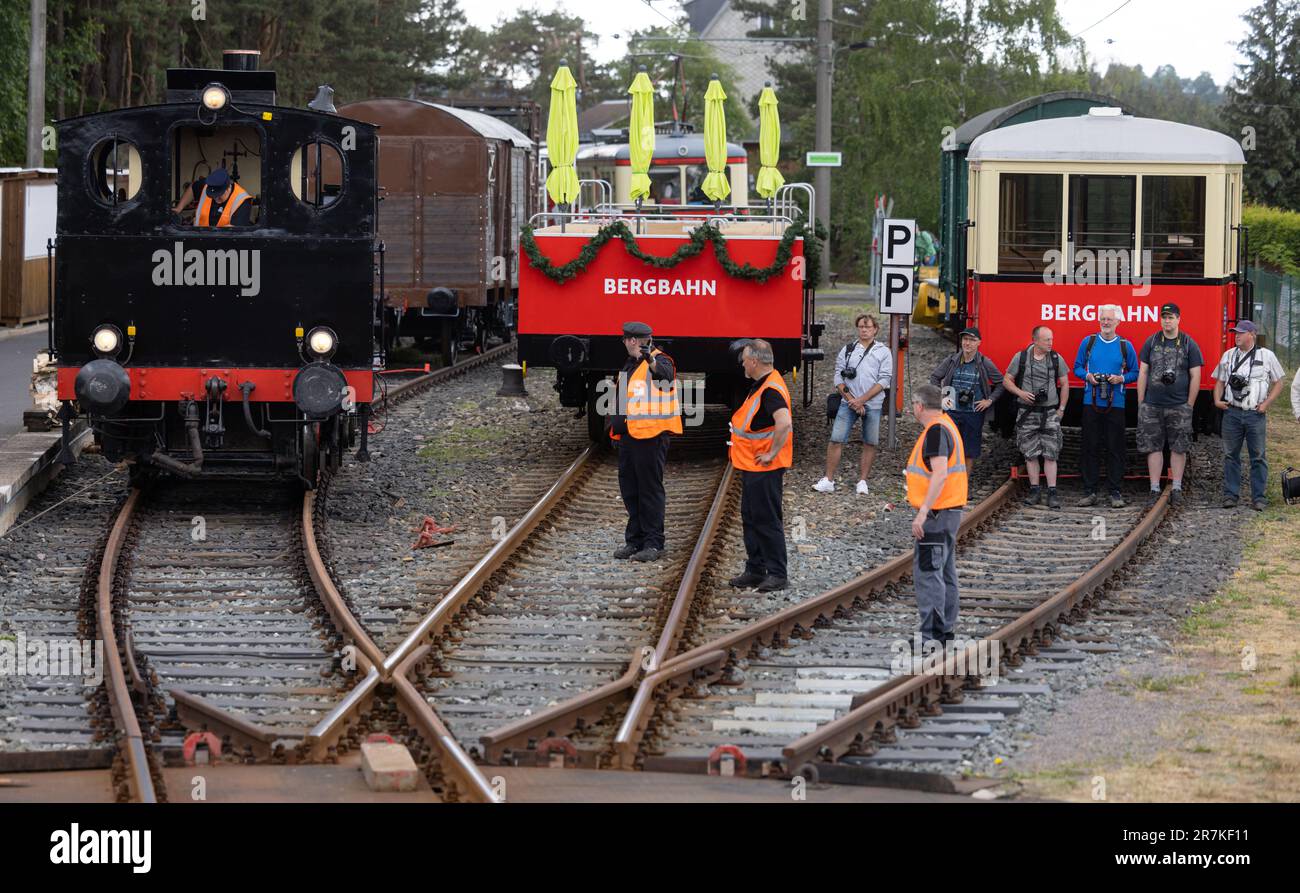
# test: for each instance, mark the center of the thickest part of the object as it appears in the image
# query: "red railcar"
(1068, 214)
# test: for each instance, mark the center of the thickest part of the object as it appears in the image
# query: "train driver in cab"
(221, 201)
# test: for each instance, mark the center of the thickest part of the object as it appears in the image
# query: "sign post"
(898, 253)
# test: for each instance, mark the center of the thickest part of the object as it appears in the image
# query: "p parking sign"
(898, 252)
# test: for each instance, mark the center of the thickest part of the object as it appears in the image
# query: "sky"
(1191, 35)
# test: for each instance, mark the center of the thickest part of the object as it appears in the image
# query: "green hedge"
(1274, 236)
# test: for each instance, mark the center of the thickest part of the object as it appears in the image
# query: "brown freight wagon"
(456, 185)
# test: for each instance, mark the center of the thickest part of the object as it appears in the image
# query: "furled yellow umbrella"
(769, 144)
(715, 185)
(562, 138)
(641, 134)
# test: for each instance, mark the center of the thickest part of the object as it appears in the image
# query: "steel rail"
(454, 762)
(437, 376)
(442, 614)
(902, 700)
(592, 705)
(344, 620)
(708, 661)
(132, 742)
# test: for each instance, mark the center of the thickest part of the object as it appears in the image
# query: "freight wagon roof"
(418, 117)
(1106, 138)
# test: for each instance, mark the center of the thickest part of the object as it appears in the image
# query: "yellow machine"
(930, 299)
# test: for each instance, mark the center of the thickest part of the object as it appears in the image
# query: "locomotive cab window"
(1102, 212)
(1173, 225)
(115, 171)
(217, 176)
(316, 174)
(1029, 221)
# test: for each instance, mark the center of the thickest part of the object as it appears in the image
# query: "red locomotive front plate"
(1007, 312)
(695, 299)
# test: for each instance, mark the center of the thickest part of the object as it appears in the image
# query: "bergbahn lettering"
(621, 286)
(1088, 313)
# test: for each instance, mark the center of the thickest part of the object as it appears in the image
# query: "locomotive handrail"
(785, 199)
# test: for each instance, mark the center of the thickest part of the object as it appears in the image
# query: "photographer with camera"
(1246, 382)
(1106, 363)
(1038, 377)
(864, 370)
(1169, 378)
(970, 383)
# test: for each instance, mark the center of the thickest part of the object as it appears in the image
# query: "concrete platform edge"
(27, 465)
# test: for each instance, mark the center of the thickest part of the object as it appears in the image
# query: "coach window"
(666, 185)
(198, 151)
(1029, 221)
(1173, 225)
(1102, 212)
(316, 174)
(115, 171)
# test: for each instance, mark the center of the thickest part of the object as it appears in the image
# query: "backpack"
(1087, 355)
(1057, 364)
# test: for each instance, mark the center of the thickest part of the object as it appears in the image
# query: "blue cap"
(217, 182)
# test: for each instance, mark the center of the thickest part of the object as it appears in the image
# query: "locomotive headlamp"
(322, 341)
(215, 97)
(106, 340)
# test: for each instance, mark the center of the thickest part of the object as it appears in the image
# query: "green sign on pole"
(823, 159)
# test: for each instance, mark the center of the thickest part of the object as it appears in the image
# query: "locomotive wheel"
(449, 344)
(309, 462)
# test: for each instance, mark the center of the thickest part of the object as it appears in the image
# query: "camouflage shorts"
(1038, 433)
(1158, 426)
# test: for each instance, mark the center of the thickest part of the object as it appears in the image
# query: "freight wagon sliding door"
(454, 214)
(398, 223)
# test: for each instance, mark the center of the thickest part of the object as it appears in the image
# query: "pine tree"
(1263, 105)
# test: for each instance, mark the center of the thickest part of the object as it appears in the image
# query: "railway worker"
(970, 383)
(1246, 382)
(222, 201)
(1169, 378)
(648, 412)
(1106, 363)
(1041, 382)
(936, 488)
(863, 372)
(762, 448)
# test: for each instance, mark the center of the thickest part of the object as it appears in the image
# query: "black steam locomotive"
(203, 342)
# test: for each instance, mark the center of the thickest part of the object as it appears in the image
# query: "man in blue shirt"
(1106, 363)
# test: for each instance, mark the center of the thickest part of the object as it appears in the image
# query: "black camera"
(1169, 376)
(849, 374)
(1040, 396)
(1101, 391)
(1238, 382)
(965, 396)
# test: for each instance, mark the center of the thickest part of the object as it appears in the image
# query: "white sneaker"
(863, 489)
(825, 485)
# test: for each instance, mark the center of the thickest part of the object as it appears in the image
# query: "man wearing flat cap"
(1246, 382)
(648, 411)
(221, 201)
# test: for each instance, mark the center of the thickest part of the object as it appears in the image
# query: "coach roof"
(1106, 137)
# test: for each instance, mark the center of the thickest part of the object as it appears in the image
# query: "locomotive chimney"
(240, 60)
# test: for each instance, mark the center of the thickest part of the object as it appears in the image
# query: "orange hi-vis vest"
(953, 495)
(747, 443)
(237, 198)
(651, 410)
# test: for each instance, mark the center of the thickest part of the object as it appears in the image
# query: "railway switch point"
(388, 766)
(512, 381)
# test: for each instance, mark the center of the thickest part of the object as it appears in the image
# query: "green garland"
(699, 237)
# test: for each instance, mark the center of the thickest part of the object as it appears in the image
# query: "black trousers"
(641, 482)
(760, 513)
(1103, 438)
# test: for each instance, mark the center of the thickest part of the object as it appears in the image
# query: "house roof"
(701, 13)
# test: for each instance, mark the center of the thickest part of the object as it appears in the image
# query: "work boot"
(771, 584)
(648, 554)
(1035, 494)
(1175, 496)
(1089, 500)
(1152, 497)
(745, 580)
(1117, 501)
(1259, 505)
(1229, 502)
(1052, 501)
(626, 551)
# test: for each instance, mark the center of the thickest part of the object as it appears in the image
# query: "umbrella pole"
(638, 215)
